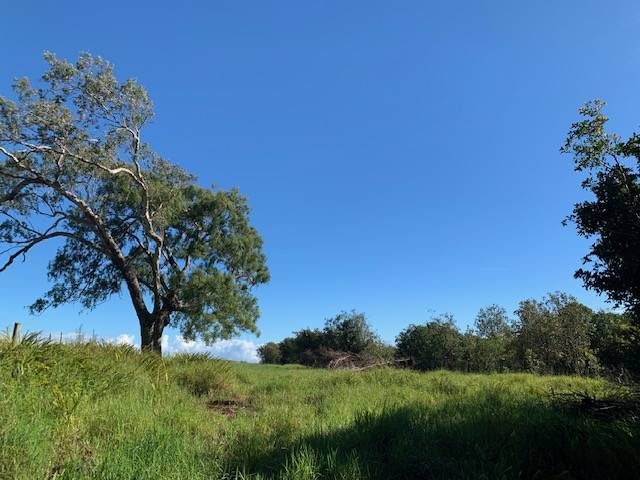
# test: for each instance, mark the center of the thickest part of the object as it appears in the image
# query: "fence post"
(16, 333)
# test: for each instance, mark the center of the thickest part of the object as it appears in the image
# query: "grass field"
(111, 413)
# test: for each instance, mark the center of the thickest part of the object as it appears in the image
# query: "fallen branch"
(396, 362)
(358, 363)
(622, 403)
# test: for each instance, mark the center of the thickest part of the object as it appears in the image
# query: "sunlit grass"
(91, 411)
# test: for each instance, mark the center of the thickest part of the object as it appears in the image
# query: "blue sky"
(400, 158)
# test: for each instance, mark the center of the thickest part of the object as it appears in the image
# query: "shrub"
(349, 332)
(438, 344)
(270, 353)
(346, 334)
(200, 374)
(553, 336)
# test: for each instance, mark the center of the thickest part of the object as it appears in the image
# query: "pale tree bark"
(152, 323)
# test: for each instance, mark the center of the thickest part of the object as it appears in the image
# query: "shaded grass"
(401, 424)
(91, 411)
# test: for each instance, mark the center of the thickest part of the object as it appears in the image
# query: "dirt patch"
(71, 447)
(227, 407)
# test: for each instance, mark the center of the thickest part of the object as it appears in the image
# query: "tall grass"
(110, 412)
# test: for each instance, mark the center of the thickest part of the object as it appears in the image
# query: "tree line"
(554, 335)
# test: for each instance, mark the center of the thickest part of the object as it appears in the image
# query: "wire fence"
(72, 338)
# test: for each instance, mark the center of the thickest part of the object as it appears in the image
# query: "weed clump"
(201, 374)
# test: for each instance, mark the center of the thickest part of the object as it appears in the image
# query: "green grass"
(89, 411)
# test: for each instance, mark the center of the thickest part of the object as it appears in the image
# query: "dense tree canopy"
(346, 334)
(489, 347)
(437, 344)
(615, 340)
(270, 353)
(349, 332)
(492, 322)
(75, 168)
(553, 335)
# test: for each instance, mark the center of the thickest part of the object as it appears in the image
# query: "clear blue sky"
(400, 158)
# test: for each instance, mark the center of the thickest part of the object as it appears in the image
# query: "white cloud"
(164, 343)
(122, 339)
(235, 349)
(74, 337)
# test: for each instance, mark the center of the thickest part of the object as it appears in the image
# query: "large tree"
(553, 335)
(611, 216)
(436, 344)
(490, 349)
(349, 332)
(75, 168)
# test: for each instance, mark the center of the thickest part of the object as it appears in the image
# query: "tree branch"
(32, 243)
(16, 190)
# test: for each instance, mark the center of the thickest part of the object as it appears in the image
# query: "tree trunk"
(151, 329)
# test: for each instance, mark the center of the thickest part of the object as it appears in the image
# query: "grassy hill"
(90, 411)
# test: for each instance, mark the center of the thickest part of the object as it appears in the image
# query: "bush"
(200, 374)
(438, 344)
(349, 332)
(270, 353)
(552, 336)
(346, 334)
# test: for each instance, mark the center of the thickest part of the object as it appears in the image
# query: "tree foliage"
(615, 340)
(347, 333)
(489, 347)
(75, 168)
(437, 344)
(611, 218)
(270, 353)
(492, 322)
(553, 336)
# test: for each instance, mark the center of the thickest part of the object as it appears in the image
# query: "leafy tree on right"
(611, 218)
